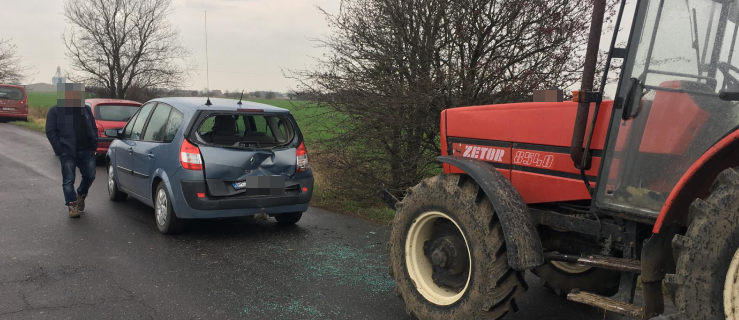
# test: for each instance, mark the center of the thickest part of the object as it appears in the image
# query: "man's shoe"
(73, 212)
(81, 202)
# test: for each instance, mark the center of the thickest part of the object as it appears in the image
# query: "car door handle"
(151, 156)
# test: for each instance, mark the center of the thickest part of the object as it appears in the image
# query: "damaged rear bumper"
(298, 193)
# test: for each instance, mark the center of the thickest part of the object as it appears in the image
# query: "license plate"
(8, 109)
(262, 185)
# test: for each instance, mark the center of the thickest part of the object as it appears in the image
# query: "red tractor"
(652, 196)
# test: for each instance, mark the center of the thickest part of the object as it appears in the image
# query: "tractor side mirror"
(633, 98)
(112, 133)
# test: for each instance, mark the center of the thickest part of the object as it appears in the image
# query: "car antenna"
(207, 76)
(242, 97)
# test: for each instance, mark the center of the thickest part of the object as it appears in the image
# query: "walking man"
(72, 132)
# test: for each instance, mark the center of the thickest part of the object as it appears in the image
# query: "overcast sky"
(249, 41)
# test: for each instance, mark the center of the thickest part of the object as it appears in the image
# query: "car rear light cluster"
(190, 156)
(302, 155)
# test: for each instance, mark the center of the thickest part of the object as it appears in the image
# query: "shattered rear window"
(244, 130)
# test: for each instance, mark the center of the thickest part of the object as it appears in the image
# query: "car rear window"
(112, 112)
(247, 131)
(9, 93)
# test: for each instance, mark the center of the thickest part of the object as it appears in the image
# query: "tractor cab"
(678, 91)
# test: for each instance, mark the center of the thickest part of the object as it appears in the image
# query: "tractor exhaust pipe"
(588, 75)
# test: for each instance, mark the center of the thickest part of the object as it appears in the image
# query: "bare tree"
(119, 44)
(394, 65)
(12, 69)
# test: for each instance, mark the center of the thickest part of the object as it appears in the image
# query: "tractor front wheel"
(448, 255)
(705, 284)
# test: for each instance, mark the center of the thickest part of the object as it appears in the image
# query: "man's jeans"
(85, 160)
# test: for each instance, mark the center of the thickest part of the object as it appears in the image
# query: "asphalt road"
(113, 263)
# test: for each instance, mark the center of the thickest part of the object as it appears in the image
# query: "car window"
(9, 93)
(111, 112)
(249, 131)
(174, 123)
(207, 125)
(283, 127)
(260, 124)
(155, 129)
(138, 126)
(129, 126)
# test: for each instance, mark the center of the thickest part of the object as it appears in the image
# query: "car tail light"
(101, 130)
(190, 156)
(302, 155)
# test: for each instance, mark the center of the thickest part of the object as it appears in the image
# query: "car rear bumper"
(237, 206)
(13, 115)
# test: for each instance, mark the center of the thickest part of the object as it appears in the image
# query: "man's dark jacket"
(61, 133)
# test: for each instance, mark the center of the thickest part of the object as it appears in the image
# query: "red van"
(13, 102)
(110, 114)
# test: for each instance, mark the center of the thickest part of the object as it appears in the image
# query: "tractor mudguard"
(522, 240)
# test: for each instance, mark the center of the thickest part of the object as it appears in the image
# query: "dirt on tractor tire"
(494, 287)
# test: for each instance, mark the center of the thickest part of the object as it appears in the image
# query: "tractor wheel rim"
(161, 210)
(731, 289)
(570, 267)
(420, 268)
(111, 181)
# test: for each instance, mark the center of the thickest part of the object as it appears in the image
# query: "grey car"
(192, 160)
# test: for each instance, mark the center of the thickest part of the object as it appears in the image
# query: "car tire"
(113, 193)
(289, 218)
(165, 217)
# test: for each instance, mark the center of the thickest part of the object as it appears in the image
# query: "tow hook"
(261, 216)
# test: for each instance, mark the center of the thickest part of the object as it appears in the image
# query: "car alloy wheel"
(161, 207)
(111, 180)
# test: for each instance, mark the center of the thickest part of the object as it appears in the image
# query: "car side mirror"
(112, 133)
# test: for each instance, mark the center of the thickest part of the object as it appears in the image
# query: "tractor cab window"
(682, 55)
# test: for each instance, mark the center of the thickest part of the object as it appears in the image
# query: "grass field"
(313, 131)
(41, 99)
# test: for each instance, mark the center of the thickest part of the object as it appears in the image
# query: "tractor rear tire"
(492, 287)
(563, 281)
(704, 254)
